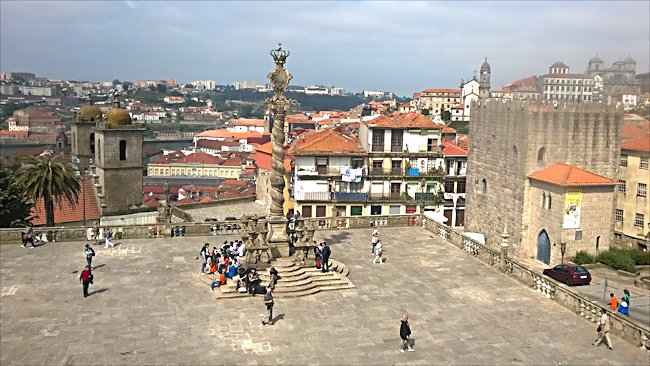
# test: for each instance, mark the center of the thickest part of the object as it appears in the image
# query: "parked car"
(571, 274)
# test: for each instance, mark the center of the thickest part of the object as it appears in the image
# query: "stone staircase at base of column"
(294, 280)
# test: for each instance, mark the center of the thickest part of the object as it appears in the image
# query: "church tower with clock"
(484, 80)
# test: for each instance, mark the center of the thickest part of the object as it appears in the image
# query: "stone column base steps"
(294, 280)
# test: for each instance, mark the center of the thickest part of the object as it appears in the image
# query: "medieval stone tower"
(118, 158)
(512, 140)
(484, 82)
(83, 135)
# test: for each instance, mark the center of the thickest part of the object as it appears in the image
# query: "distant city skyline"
(390, 46)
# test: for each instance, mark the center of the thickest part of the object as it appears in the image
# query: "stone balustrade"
(622, 326)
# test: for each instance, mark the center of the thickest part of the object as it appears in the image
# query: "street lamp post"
(278, 104)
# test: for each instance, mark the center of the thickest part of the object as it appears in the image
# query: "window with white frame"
(619, 215)
(623, 161)
(621, 186)
(643, 164)
(638, 220)
(642, 190)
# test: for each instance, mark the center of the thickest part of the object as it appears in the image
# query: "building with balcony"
(329, 175)
(453, 204)
(631, 226)
(405, 165)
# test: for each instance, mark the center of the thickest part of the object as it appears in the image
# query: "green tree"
(161, 88)
(50, 178)
(15, 207)
(425, 112)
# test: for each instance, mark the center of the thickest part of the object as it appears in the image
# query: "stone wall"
(512, 139)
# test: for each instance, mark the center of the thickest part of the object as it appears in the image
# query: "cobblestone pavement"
(234, 210)
(147, 307)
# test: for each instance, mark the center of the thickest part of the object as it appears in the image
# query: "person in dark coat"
(405, 334)
(326, 257)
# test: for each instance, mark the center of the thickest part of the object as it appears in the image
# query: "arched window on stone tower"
(99, 150)
(541, 153)
(92, 142)
(122, 149)
(515, 152)
(543, 200)
(484, 186)
(548, 203)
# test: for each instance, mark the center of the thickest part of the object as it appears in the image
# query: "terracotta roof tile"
(440, 91)
(215, 144)
(234, 183)
(70, 213)
(449, 149)
(234, 161)
(265, 148)
(641, 143)
(200, 158)
(406, 120)
(249, 122)
(566, 175)
(326, 142)
(223, 133)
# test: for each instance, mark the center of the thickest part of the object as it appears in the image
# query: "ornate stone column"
(278, 104)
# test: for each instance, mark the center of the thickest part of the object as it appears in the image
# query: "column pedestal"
(277, 238)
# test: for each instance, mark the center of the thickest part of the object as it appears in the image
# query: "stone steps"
(294, 280)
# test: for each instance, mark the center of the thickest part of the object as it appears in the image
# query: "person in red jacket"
(86, 279)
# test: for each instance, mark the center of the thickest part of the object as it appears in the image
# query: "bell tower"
(83, 135)
(484, 82)
(118, 158)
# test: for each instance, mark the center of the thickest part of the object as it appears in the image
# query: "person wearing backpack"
(90, 253)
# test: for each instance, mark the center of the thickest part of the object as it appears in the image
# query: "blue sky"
(397, 46)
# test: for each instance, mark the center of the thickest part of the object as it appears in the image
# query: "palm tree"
(50, 178)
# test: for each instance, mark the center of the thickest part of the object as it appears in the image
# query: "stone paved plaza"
(149, 308)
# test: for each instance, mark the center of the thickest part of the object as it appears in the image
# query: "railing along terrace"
(630, 330)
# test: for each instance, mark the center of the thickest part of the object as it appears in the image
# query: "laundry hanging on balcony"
(351, 175)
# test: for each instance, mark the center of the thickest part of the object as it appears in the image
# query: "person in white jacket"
(379, 249)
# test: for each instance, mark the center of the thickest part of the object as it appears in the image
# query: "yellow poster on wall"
(572, 206)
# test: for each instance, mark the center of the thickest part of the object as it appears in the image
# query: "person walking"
(203, 256)
(28, 235)
(86, 278)
(268, 301)
(613, 301)
(274, 277)
(603, 329)
(405, 334)
(375, 239)
(327, 252)
(107, 237)
(379, 250)
(626, 297)
(96, 233)
(90, 253)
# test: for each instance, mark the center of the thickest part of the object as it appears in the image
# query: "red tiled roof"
(235, 183)
(265, 148)
(448, 129)
(449, 149)
(406, 120)
(185, 200)
(215, 144)
(440, 91)
(641, 143)
(223, 133)
(326, 142)
(458, 106)
(206, 199)
(227, 195)
(67, 212)
(200, 158)
(249, 122)
(13, 133)
(234, 161)
(159, 189)
(633, 131)
(566, 175)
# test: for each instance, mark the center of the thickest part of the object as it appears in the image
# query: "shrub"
(617, 259)
(640, 258)
(582, 257)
